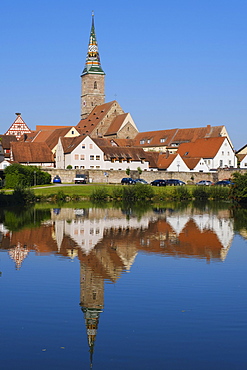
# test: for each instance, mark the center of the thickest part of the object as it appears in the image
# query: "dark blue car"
(128, 181)
(57, 180)
(158, 183)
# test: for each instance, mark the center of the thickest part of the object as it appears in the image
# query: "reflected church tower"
(91, 302)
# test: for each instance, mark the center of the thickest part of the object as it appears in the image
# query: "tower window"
(95, 85)
(92, 103)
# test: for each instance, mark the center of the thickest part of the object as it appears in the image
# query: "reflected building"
(91, 302)
(18, 254)
(106, 242)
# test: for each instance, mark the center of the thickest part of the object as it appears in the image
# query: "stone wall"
(114, 177)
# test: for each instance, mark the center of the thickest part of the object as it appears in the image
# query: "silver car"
(204, 182)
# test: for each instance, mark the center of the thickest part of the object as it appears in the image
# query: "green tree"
(238, 190)
(26, 176)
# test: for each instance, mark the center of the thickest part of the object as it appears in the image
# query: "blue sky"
(176, 63)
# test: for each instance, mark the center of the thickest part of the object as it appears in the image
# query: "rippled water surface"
(123, 288)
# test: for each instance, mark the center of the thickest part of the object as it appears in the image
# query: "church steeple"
(92, 77)
(93, 59)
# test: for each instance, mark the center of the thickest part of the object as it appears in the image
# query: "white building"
(87, 153)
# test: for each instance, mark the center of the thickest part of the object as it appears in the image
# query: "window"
(148, 141)
(92, 104)
(76, 157)
(230, 162)
(97, 166)
(97, 157)
(91, 166)
(163, 140)
(120, 160)
(83, 146)
(91, 157)
(221, 163)
(90, 146)
(222, 153)
(82, 157)
(95, 85)
(228, 153)
(112, 160)
(142, 141)
(72, 132)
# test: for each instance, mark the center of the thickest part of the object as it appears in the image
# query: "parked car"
(128, 181)
(174, 182)
(158, 183)
(224, 183)
(204, 183)
(80, 179)
(57, 180)
(141, 181)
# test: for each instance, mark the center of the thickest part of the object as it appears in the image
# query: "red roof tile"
(203, 148)
(31, 152)
(116, 124)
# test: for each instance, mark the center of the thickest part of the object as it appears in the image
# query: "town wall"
(114, 177)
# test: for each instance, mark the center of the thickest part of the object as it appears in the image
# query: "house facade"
(216, 152)
(84, 153)
(18, 127)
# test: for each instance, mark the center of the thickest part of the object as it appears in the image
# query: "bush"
(26, 176)
(219, 192)
(200, 192)
(180, 193)
(99, 194)
(22, 195)
(238, 191)
(117, 192)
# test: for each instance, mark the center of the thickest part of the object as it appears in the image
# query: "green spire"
(93, 60)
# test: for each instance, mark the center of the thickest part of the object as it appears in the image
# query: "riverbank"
(110, 192)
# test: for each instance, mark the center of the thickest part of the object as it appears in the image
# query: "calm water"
(163, 288)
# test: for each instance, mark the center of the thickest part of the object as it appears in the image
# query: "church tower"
(92, 78)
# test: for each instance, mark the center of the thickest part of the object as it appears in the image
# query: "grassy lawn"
(80, 190)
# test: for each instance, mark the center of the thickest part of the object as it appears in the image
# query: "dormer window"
(162, 140)
(142, 141)
(186, 153)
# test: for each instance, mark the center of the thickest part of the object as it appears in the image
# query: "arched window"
(95, 84)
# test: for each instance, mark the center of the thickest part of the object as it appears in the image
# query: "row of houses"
(177, 150)
(66, 148)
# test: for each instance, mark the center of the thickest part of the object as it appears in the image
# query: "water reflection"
(106, 242)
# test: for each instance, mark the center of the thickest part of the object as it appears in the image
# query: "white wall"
(243, 163)
(225, 157)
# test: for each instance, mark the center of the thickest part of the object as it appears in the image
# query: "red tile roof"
(152, 158)
(49, 128)
(87, 125)
(116, 124)
(164, 160)
(154, 138)
(203, 148)
(175, 136)
(6, 140)
(31, 152)
(191, 162)
(70, 143)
